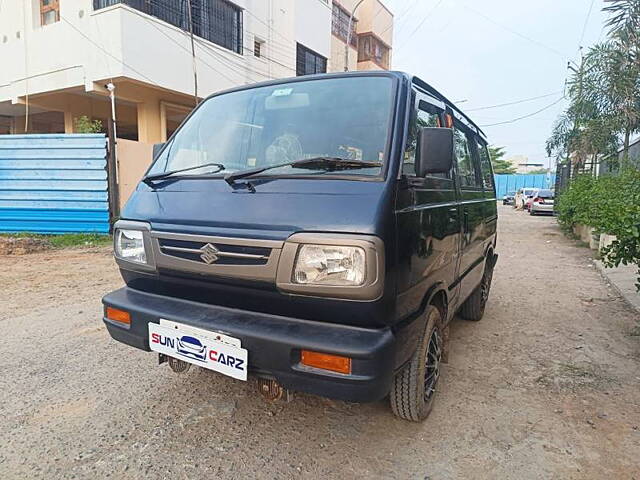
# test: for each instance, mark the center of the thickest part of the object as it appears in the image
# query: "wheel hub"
(432, 370)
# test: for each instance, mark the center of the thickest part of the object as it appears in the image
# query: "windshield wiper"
(161, 176)
(328, 164)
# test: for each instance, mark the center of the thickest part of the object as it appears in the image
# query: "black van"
(318, 233)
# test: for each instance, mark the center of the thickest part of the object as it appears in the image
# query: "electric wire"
(426, 17)
(516, 102)
(515, 32)
(514, 120)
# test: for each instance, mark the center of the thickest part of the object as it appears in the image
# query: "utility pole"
(346, 47)
(193, 53)
(112, 161)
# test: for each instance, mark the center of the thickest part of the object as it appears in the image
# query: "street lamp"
(346, 47)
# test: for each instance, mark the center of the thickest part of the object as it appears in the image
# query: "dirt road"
(547, 385)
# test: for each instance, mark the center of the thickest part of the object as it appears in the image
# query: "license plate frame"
(207, 349)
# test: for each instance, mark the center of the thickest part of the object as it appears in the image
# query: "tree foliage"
(603, 93)
(84, 124)
(499, 164)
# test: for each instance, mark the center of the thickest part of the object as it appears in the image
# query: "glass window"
(466, 165)
(49, 11)
(485, 166)
(340, 25)
(419, 119)
(264, 126)
(309, 62)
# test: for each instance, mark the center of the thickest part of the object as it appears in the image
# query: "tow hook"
(272, 390)
(178, 366)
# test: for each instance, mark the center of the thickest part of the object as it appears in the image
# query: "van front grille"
(231, 257)
(209, 253)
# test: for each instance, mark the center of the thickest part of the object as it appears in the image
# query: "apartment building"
(59, 55)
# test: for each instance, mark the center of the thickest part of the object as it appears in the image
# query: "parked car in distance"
(542, 202)
(281, 233)
(529, 199)
(509, 198)
(521, 197)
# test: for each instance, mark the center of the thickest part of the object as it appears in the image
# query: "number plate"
(206, 349)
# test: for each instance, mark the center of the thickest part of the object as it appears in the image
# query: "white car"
(542, 202)
(521, 197)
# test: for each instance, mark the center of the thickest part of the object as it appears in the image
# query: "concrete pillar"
(149, 121)
(68, 121)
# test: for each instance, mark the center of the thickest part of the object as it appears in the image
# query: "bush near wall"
(610, 204)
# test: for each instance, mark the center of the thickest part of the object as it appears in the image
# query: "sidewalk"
(623, 280)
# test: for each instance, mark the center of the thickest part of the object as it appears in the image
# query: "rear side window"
(485, 166)
(466, 164)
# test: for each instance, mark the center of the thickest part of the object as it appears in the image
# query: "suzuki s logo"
(209, 253)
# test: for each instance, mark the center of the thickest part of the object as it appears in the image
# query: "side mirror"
(157, 147)
(435, 151)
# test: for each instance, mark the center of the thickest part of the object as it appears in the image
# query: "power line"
(400, 16)
(426, 17)
(513, 103)
(516, 33)
(526, 116)
(586, 23)
(119, 60)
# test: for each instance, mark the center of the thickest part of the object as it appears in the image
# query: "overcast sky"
(490, 52)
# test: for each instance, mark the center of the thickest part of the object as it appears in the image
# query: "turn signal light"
(119, 316)
(325, 361)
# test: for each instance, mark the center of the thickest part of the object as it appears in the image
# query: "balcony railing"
(218, 21)
(370, 48)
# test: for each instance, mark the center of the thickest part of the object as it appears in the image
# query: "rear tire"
(473, 307)
(531, 212)
(414, 388)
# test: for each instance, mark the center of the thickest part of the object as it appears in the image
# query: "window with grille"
(257, 48)
(340, 25)
(49, 11)
(309, 62)
(371, 48)
(218, 21)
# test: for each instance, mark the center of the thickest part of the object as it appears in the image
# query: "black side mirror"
(435, 151)
(157, 147)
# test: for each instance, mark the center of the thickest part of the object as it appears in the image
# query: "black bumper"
(273, 342)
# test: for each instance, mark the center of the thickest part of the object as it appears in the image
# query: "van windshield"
(346, 118)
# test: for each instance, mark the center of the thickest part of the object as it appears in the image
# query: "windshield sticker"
(282, 92)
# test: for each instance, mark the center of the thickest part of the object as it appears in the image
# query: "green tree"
(497, 161)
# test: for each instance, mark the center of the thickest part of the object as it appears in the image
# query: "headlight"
(129, 246)
(330, 265)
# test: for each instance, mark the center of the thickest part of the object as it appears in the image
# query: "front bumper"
(274, 343)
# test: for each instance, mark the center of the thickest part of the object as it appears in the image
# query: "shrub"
(610, 204)
(84, 124)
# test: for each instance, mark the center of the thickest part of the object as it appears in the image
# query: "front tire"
(414, 387)
(473, 307)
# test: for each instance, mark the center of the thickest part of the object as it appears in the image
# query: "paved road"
(546, 386)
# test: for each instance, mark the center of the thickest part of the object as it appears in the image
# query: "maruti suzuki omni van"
(317, 233)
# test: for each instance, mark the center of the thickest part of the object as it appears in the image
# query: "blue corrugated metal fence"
(53, 183)
(511, 183)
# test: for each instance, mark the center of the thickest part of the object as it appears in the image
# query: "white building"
(58, 55)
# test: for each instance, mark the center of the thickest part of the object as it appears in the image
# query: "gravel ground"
(546, 386)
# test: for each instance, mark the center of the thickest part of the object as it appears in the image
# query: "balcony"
(372, 49)
(218, 21)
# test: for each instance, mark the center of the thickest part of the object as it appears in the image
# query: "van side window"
(419, 119)
(466, 165)
(485, 166)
